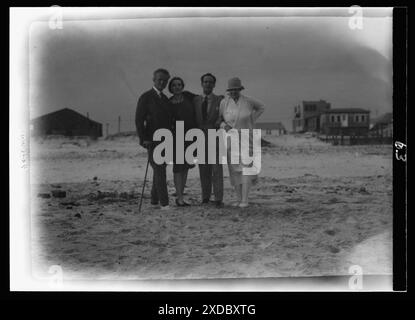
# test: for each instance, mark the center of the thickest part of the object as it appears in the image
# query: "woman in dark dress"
(183, 110)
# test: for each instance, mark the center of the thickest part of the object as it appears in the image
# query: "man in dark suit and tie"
(207, 114)
(153, 113)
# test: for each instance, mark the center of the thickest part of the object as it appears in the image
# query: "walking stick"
(144, 185)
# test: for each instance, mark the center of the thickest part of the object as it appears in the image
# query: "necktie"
(204, 108)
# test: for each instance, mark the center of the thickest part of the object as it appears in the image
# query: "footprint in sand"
(332, 200)
(138, 242)
(330, 232)
(333, 249)
(288, 211)
(351, 220)
(77, 232)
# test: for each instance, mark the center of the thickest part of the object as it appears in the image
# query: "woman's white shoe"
(243, 205)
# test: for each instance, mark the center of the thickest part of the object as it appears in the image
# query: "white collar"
(241, 97)
(157, 91)
(209, 96)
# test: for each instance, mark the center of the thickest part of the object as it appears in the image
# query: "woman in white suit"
(240, 112)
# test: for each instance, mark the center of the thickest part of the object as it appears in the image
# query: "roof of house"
(346, 110)
(315, 102)
(65, 111)
(269, 125)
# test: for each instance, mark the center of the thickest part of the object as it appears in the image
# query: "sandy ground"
(317, 210)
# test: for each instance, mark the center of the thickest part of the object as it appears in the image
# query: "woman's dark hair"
(171, 81)
(208, 74)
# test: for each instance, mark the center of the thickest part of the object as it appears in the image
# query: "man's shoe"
(205, 201)
(219, 204)
(165, 208)
(183, 204)
(154, 205)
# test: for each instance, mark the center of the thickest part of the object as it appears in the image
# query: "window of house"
(343, 117)
(338, 118)
(332, 119)
(356, 118)
(363, 118)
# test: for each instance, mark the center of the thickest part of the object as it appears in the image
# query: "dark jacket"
(213, 115)
(185, 111)
(152, 113)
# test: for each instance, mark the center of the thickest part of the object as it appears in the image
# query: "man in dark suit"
(207, 114)
(153, 113)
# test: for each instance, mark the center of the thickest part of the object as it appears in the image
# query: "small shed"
(382, 126)
(271, 128)
(65, 122)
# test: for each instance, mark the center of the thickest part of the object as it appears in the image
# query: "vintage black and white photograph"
(207, 144)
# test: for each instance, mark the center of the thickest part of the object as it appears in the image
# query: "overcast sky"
(103, 66)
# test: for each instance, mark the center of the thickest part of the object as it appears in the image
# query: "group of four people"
(206, 111)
